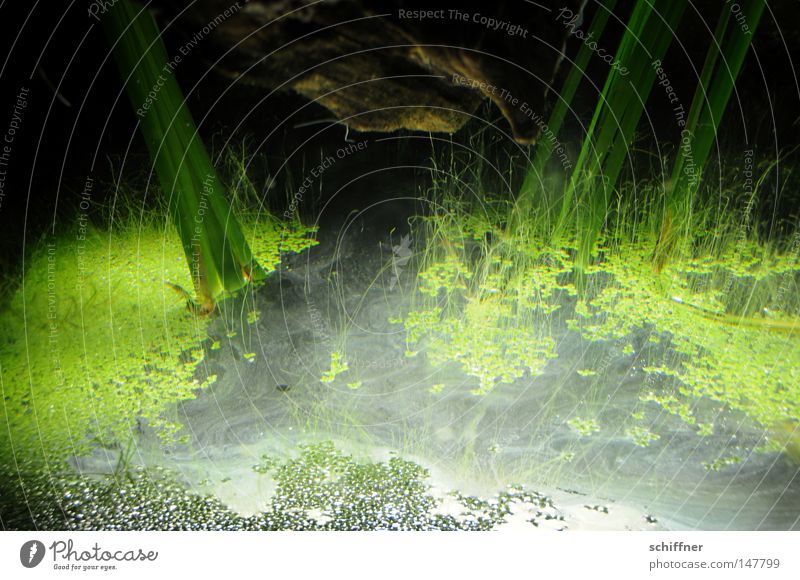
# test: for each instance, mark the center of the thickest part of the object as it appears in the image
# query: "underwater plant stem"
(649, 32)
(731, 42)
(587, 195)
(219, 257)
(788, 326)
(533, 193)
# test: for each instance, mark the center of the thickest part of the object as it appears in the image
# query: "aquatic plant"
(606, 144)
(535, 197)
(584, 426)
(499, 285)
(94, 346)
(648, 34)
(708, 357)
(581, 207)
(721, 68)
(480, 312)
(338, 365)
(83, 355)
(219, 257)
(641, 436)
(499, 305)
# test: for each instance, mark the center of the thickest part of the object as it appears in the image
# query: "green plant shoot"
(218, 254)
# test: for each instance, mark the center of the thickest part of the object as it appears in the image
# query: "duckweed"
(584, 427)
(720, 320)
(94, 343)
(338, 366)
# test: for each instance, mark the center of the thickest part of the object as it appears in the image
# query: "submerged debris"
(321, 489)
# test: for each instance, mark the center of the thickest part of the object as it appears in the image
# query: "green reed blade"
(649, 32)
(532, 193)
(218, 254)
(731, 42)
